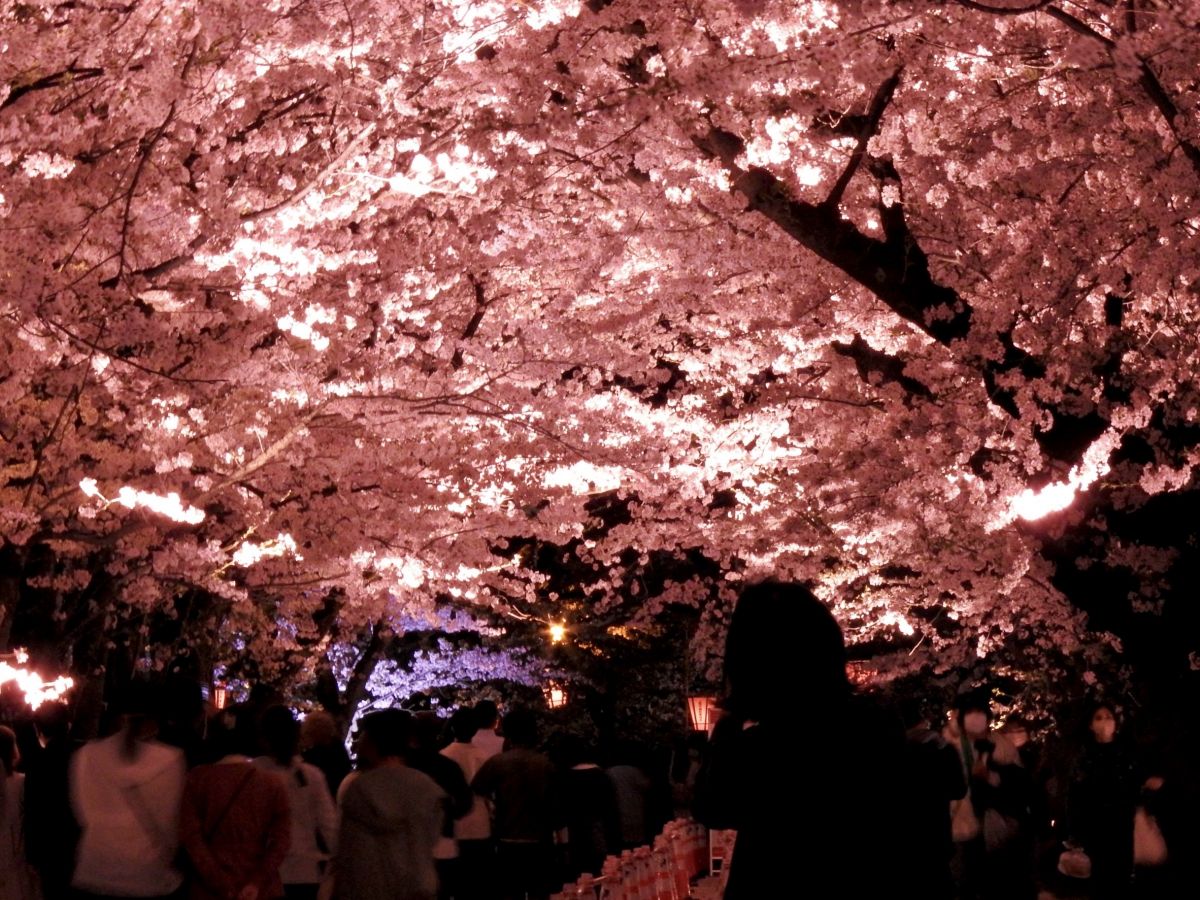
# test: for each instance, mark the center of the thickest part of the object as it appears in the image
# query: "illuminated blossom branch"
(169, 505)
(1032, 505)
(249, 552)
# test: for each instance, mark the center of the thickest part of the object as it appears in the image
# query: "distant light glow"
(558, 632)
(35, 690)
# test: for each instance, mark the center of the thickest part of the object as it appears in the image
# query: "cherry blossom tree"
(316, 313)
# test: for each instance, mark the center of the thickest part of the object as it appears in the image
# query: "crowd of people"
(832, 793)
(253, 804)
(845, 795)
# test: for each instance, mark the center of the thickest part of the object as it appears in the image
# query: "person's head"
(53, 721)
(486, 714)
(9, 755)
(974, 713)
(520, 728)
(135, 710)
(318, 730)
(913, 713)
(573, 750)
(427, 729)
(383, 735)
(1016, 731)
(463, 725)
(783, 645)
(280, 734)
(231, 732)
(1103, 723)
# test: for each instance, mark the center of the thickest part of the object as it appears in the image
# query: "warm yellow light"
(556, 695)
(219, 697)
(702, 711)
(558, 631)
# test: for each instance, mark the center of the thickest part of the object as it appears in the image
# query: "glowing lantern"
(558, 632)
(702, 712)
(556, 695)
(219, 697)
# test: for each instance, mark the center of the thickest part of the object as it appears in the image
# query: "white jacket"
(128, 811)
(312, 814)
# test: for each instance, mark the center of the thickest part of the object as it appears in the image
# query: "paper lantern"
(556, 695)
(702, 712)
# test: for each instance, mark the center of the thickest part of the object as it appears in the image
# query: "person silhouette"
(809, 773)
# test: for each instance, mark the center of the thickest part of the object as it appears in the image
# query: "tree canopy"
(328, 312)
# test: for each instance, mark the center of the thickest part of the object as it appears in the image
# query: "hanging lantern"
(556, 695)
(219, 697)
(702, 712)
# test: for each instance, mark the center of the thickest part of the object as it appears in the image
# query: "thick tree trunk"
(11, 566)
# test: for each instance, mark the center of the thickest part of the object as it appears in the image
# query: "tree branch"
(1149, 80)
(69, 75)
(879, 103)
(875, 366)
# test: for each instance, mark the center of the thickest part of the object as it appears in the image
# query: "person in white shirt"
(313, 817)
(126, 792)
(473, 831)
(487, 721)
(17, 878)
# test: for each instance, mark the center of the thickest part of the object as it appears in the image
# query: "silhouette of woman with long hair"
(808, 773)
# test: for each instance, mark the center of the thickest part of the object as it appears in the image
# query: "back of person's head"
(231, 732)
(318, 729)
(9, 757)
(427, 730)
(387, 731)
(784, 646)
(976, 700)
(53, 720)
(912, 711)
(573, 750)
(463, 724)
(520, 728)
(136, 700)
(280, 733)
(486, 712)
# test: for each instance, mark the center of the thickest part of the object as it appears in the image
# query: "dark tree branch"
(69, 75)
(481, 307)
(876, 367)
(879, 103)
(1004, 10)
(896, 270)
